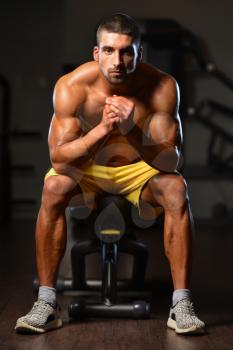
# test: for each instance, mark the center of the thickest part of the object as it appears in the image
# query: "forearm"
(78, 152)
(163, 156)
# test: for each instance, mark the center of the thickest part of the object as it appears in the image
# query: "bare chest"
(115, 150)
(91, 112)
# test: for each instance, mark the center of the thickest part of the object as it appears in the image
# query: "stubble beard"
(116, 80)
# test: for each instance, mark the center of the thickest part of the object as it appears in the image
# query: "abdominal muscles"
(116, 151)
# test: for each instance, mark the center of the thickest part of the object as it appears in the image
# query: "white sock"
(47, 294)
(180, 294)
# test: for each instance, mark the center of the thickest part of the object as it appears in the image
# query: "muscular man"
(115, 129)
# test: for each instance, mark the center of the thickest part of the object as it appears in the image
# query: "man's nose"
(117, 59)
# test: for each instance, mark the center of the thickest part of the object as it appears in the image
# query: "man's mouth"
(117, 71)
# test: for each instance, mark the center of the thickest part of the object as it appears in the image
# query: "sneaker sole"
(25, 328)
(192, 330)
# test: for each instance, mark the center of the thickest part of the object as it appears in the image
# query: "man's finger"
(112, 115)
(116, 120)
(114, 108)
(121, 99)
(119, 105)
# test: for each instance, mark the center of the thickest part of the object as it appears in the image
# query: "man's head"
(119, 23)
(118, 47)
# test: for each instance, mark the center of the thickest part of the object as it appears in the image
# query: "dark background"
(39, 38)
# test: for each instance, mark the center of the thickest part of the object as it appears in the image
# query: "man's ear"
(140, 52)
(96, 53)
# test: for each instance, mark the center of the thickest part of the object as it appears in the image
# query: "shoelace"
(38, 308)
(186, 307)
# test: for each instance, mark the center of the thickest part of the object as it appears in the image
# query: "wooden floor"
(212, 288)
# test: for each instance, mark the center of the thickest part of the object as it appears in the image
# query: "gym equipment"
(110, 241)
(178, 51)
(220, 137)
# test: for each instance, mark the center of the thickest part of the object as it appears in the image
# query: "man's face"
(117, 55)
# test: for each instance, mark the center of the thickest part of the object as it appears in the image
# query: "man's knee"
(175, 193)
(173, 190)
(57, 191)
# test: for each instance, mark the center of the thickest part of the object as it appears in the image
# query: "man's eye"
(128, 53)
(108, 50)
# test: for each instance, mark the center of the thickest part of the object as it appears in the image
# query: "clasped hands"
(119, 111)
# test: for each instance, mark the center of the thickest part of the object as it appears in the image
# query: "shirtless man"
(115, 111)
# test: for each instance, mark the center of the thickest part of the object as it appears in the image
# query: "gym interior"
(40, 42)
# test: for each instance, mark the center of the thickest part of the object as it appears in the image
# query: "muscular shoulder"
(164, 90)
(71, 89)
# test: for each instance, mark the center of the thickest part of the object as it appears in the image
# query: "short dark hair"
(119, 23)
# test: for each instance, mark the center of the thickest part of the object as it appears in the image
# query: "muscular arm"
(160, 150)
(68, 148)
(159, 141)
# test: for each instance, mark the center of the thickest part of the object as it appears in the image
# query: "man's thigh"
(159, 187)
(151, 192)
(80, 194)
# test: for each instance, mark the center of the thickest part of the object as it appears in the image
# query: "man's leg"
(170, 192)
(50, 248)
(51, 227)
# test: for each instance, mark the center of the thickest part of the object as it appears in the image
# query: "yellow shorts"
(127, 180)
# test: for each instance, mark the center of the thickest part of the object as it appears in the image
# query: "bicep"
(164, 123)
(65, 125)
(63, 129)
(163, 128)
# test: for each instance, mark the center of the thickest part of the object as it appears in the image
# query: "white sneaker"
(183, 320)
(42, 318)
